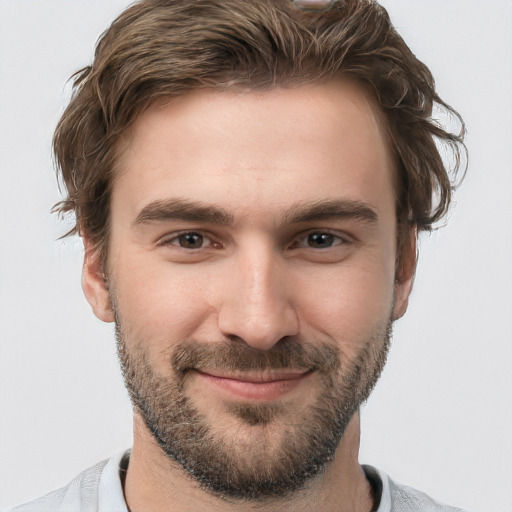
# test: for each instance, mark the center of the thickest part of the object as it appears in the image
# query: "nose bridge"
(258, 308)
(260, 283)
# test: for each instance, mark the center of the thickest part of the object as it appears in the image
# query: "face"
(251, 275)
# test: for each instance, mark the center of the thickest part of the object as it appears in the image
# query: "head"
(249, 180)
(159, 50)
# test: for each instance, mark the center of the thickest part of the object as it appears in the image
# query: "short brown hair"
(160, 49)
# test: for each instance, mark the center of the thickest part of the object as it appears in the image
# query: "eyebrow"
(182, 209)
(192, 211)
(331, 209)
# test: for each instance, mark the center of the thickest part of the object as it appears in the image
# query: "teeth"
(313, 5)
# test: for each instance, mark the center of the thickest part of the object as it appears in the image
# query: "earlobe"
(404, 276)
(95, 284)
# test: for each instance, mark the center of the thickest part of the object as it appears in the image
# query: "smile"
(267, 386)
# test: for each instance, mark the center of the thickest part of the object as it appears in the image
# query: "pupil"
(320, 240)
(191, 241)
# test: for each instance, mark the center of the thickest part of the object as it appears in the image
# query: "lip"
(267, 386)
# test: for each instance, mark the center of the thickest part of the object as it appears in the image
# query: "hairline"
(122, 139)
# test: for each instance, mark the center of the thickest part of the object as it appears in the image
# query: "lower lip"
(264, 391)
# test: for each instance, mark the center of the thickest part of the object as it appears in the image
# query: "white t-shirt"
(99, 489)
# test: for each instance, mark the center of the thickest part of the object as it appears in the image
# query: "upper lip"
(256, 376)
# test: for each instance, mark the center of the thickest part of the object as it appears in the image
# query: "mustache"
(235, 356)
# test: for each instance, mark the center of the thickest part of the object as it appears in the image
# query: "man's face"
(251, 274)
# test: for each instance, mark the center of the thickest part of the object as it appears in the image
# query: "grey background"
(441, 417)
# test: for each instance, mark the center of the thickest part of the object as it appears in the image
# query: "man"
(249, 178)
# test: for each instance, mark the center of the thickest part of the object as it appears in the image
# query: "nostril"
(259, 329)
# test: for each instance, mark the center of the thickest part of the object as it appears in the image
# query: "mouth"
(261, 386)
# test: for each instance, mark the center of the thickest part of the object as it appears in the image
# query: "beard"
(274, 448)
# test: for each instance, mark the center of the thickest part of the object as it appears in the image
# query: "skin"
(259, 279)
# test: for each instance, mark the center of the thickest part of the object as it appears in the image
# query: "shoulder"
(396, 497)
(406, 498)
(80, 494)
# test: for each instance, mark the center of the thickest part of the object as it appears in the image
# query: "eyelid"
(345, 239)
(328, 231)
(171, 237)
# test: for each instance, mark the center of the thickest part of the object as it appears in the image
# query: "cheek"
(158, 303)
(349, 305)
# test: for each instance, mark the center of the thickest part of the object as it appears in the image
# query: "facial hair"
(252, 467)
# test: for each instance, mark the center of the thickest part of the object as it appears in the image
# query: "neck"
(155, 482)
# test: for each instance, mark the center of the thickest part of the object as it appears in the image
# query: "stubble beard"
(252, 467)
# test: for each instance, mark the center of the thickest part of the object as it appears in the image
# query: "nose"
(257, 305)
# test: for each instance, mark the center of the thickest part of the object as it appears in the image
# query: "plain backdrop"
(441, 417)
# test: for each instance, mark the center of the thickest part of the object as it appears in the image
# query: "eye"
(322, 240)
(319, 240)
(188, 240)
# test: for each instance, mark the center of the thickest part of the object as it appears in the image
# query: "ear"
(95, 283)
(405, 272)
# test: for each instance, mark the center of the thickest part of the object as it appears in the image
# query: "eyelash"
(337, 240)
(176, 237)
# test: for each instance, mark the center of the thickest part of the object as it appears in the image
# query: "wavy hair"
(159, 49)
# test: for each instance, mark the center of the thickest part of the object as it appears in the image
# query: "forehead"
(270, 147)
